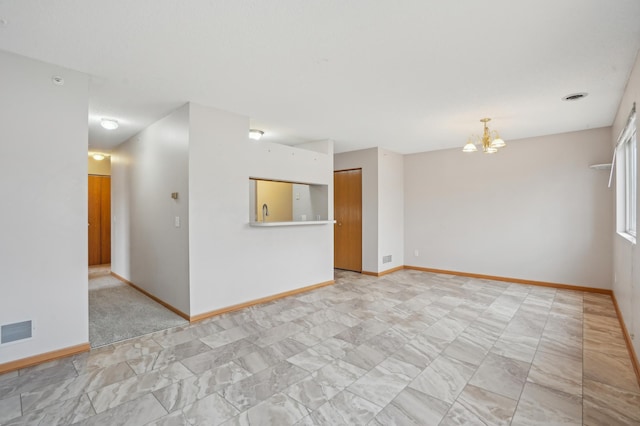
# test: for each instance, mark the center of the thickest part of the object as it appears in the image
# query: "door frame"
(360, 211)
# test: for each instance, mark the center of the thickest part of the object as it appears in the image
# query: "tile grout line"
(92, 406)
(161, 405)
(534, 356)
(485, 356)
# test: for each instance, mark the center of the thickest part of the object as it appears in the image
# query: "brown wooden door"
(347, 190)
(99, 220)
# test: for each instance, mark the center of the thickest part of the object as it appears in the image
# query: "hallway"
(118, 311)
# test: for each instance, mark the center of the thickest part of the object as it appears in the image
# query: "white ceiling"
(409, 76)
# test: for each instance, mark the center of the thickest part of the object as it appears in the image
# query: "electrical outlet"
(416, 253)
(176, 221)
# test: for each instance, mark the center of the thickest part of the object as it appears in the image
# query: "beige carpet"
(117, 311)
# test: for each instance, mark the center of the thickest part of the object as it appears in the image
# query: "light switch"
(176, 221)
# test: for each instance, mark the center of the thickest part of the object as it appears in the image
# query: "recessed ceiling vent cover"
(16, 331)
(575, 96)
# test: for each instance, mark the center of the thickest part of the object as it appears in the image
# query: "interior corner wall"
(43, 180)
(390, 209)
(533, 211)
(231, 262)
(367, 160)
(626, 256)
(149, 248)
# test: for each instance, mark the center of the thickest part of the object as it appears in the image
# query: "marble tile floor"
(407, 348)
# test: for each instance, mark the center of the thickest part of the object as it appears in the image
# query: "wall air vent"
(16, 331)
(386, 259)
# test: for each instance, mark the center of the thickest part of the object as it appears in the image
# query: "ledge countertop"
(297, 223)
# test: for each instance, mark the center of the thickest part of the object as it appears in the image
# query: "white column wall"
(43, 182)
(231, 262)
(390, 209)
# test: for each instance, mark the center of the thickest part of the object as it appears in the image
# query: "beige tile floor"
(408, 348)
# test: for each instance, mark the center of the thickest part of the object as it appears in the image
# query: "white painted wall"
(321, 195)
(309, 202)
(626, 257)
(533, 211)
(320, 202)
(43, 248)
(367, 160)
(390, 208)
(148, 249)
(231, 262)
(121, 168)
(301, 202)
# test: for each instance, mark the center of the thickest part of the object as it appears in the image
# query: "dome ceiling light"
(255, 134)
(109, 123)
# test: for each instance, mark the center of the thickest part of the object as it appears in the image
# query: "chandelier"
(490, 140)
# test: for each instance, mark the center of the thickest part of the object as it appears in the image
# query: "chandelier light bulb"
(498, 143)
(469, 147)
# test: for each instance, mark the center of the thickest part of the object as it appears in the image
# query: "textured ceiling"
(408, 76)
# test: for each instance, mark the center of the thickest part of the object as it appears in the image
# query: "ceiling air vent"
(16, 331)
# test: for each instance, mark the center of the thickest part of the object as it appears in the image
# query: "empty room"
(319, 213)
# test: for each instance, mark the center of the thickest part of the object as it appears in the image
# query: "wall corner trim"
(381, 273)
(513, 280)
(266, 299)
(42, 358)
(627, 339)
(151, 296)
